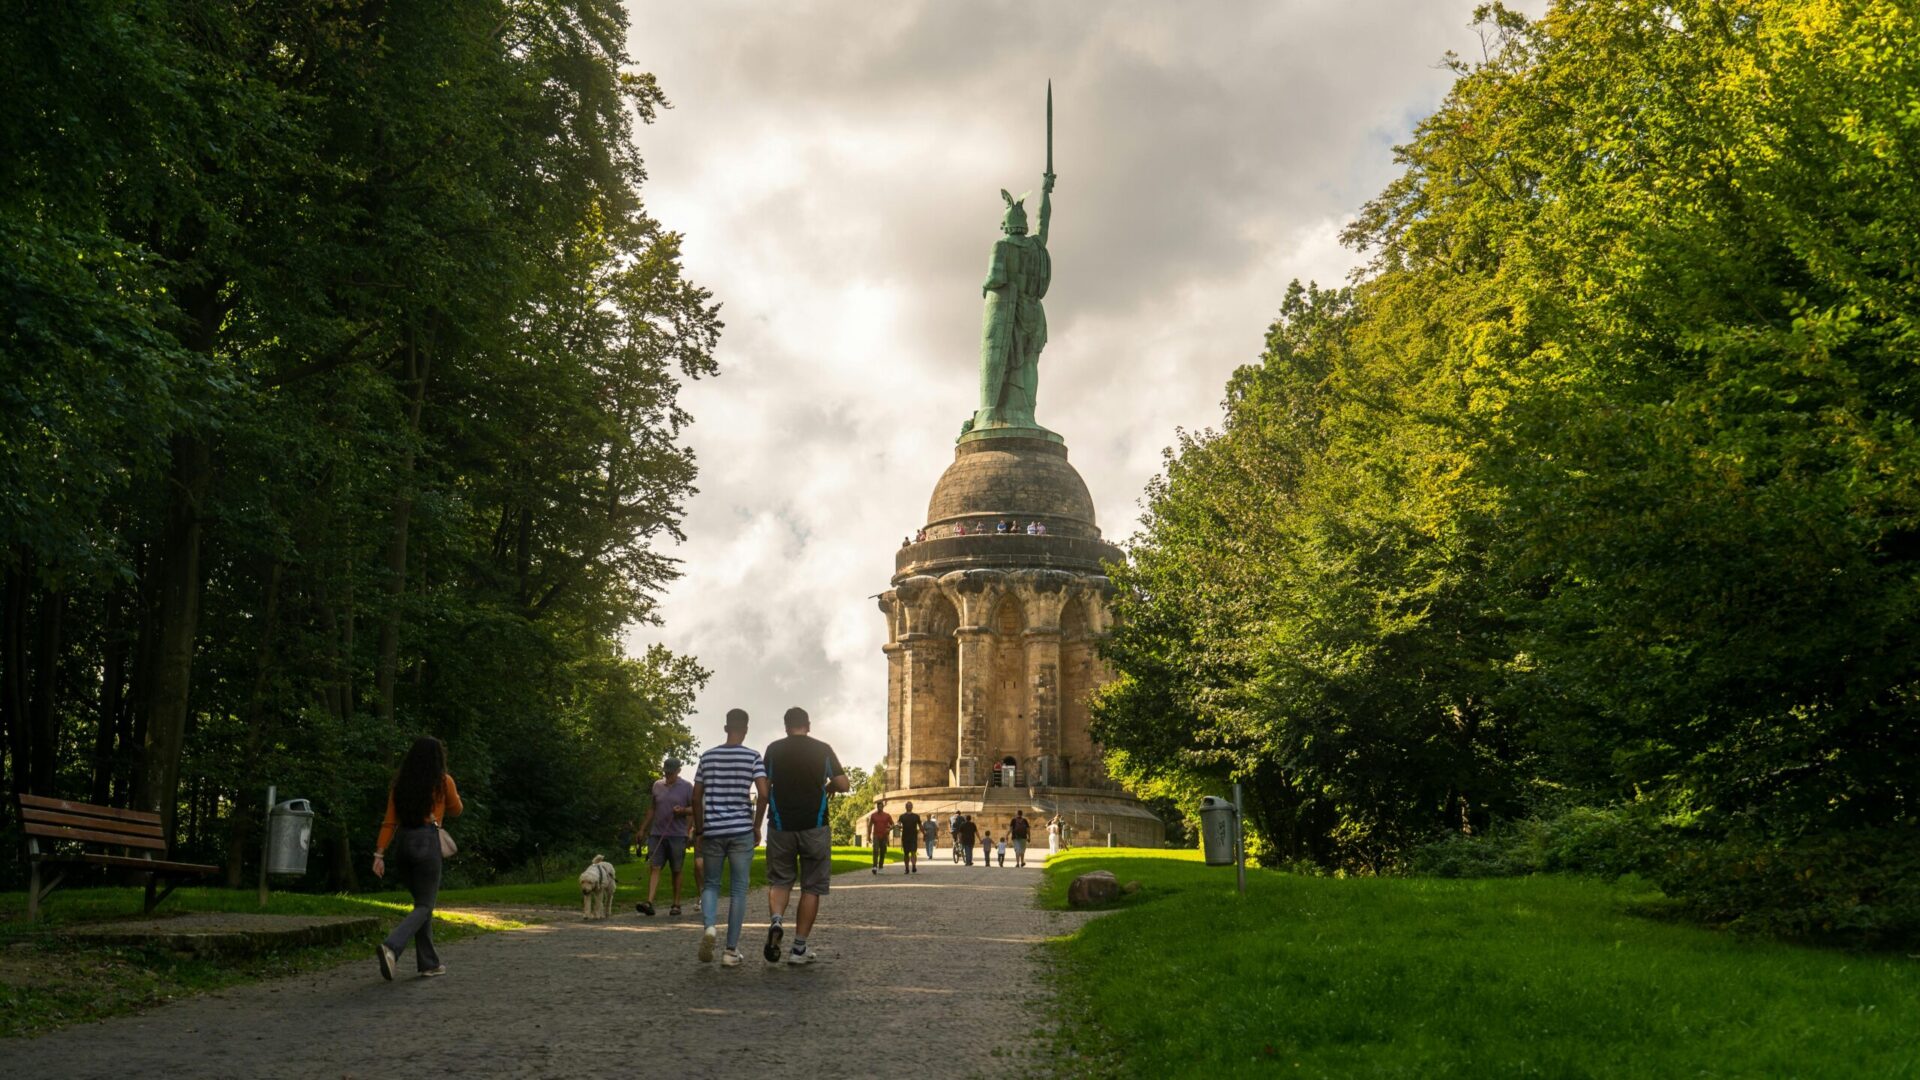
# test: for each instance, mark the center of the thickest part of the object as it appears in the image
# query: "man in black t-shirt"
(910, 838)
(1020, 830)
(801, 773)
(965, 835)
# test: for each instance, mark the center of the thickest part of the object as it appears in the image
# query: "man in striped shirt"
(728, 824)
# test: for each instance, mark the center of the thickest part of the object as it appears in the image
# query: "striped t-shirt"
(726, 775)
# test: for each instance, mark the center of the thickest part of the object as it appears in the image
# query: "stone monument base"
(1091, 814)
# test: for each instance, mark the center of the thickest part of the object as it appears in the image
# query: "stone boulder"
(1091, 889)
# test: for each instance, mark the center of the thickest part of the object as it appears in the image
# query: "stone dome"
(1021, 479)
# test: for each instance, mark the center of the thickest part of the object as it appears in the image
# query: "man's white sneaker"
(732, 958)
(800, 956)
(706, 944)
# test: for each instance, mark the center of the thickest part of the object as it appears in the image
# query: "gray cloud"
(835, 168)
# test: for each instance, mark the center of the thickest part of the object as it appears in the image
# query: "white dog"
(597, 883)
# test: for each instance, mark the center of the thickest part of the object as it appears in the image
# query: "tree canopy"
(1599, 481)
(342, 363)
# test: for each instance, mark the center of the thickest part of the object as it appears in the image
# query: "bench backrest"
(58, 819)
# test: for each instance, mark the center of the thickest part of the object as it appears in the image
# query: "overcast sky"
(836, 167)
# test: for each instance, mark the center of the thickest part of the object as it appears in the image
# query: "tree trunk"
(45, 737)
(13, 670)
(178, 573)
(240, 832)
(386, 673)
(112, 701)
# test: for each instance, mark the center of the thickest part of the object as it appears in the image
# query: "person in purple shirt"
(667, 829)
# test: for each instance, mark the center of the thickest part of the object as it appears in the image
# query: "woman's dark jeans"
(418, 848)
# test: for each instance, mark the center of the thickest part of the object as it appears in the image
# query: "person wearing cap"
(667, 830)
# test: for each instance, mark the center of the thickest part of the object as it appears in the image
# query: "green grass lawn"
(1411, 977)
(47, 983)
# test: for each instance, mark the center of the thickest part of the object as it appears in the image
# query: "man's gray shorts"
(807, 854)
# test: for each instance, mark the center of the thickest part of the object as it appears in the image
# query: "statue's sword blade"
(1049, 127)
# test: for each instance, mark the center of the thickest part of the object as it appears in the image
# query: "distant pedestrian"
(1001, 850)
(879, 825)
(1020, 829)
(964, 836)
(667, 829)
(422, 797)
(932, 828)
(910, 839)
(626, 838)
(986, 848)
(803, 772)
(728, 823)
(953, 835)
(1053, 836)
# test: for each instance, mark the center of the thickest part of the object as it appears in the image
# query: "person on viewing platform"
(904, 541)
(1033, 528)
(423, 796)
(1002, 526)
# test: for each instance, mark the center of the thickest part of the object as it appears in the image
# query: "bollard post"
(1239, 840)
(266, 838)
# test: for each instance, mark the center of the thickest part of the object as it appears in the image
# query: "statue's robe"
(1013, 329)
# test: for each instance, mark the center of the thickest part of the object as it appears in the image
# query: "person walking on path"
(1020, 829)
(986, 848)
(910, 840)
(879, 824)
(423, 796)
(728, 824)
(964, 835)
(803, 772)
(1001, 851)
(932, 828)
(953, 834)
(667, 831)
(1053, 836)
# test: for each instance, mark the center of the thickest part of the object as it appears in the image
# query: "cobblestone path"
(933, 975)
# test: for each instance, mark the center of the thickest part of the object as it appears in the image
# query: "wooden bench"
(134, 831)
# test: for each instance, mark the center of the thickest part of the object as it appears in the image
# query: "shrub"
(1859, 886)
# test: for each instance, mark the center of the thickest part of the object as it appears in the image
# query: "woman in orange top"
(422, 796)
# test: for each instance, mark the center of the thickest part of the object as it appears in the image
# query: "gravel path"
(933, 975)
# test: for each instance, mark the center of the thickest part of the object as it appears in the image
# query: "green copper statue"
(1014, 327)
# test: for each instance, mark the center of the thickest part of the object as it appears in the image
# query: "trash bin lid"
(296, 807)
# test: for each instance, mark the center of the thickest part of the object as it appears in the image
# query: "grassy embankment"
(47, 982)
(1409, 977)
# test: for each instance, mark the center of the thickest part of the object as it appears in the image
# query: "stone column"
(976, 669)
(1043, 703)
(897, 730)
(925, 686)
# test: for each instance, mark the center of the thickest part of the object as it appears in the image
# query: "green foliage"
(1597, 484)
(1420, 977)
(1859, 886)
(1607, 842)
(342, 365)
(845, 811)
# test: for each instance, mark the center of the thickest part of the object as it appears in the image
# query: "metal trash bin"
(1217, 831)
(289, 835)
